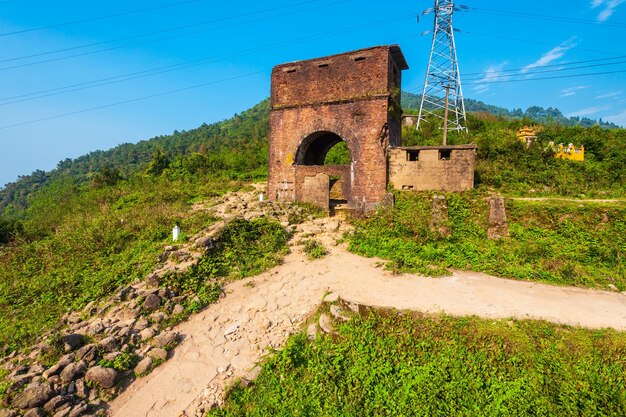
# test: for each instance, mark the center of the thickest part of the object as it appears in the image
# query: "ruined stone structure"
(437, 168)
(352, 97)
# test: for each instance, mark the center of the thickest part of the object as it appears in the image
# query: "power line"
(518, 73)
(176, 90)
(172, 29)
(184, 65)
(552, 78)
(547, 17)
(541, 78)
(174, 36)
(554, 65)
(163, 93)
(96, 18)
(489, 35)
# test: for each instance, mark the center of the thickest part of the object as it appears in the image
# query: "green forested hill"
(535, 113)
(244, 134)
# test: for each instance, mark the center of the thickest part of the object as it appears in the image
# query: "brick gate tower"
(352, 97)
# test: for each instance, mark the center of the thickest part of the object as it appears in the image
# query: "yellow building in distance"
(528, 135)
(570, 152)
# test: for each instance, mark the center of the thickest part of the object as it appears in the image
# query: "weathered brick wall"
(351, 95)
(316, 190)
(344, 77)
(430, 172)
(304, 172)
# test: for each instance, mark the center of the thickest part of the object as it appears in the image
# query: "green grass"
(402, 364)
(81, 243)
(314, 249)
(246, 248)
(558, 242)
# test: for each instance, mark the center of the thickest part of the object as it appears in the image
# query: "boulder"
(326, 324)
(35, 412)
(35, 395)
(4, 412)
(109, 344)
(158, 353)
(78, 410)
(144, 366)
(81, 388)
(152, 302)
(72, 341)
(178, 309)
(146, 334)
(87, 352)
(166, 339)
(56, 402)
(73, 371)
(104, 377)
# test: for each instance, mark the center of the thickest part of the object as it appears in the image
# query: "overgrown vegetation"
(79, 244)
(504, 164)
(402, 364)
(246, 248)
(76, 233)
(314, 249)
(556, 242)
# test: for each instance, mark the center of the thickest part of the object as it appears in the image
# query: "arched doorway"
(324, 164)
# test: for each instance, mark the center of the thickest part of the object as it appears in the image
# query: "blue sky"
(153, 67)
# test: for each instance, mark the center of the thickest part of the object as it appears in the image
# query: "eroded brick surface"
(436, 168)
(352, 97)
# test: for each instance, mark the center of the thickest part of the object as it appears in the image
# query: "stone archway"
(319, 183)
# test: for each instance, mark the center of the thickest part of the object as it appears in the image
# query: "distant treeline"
(237, 149)
(537, 114)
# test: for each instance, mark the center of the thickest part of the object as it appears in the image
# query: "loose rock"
(166, 339)
(56, 402)
(152, 302)
(109, 344)
(158, 353)
(326, 324)
(72, 341)
(35, 395)
(73, 371)
(35, 412)
(104, 377)
(144, 366)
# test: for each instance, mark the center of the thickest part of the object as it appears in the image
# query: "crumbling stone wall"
(438, 168)
(352, 97)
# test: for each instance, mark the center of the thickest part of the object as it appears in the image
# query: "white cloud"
(492, 73)
(572, 90)
(588, 111)
(608, 8)
(552, 55)
(618, 119)
(613, 94)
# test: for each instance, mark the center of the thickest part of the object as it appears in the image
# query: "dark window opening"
(412, 156)
(359, 59)
(291, 71)
(445, 154)
(322, 65)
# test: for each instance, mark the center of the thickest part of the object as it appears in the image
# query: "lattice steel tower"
(442, 87)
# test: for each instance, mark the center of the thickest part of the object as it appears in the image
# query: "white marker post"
(175, 233)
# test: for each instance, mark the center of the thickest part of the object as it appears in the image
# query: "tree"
(160, 162)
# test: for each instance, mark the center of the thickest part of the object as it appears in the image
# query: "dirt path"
(226, 340)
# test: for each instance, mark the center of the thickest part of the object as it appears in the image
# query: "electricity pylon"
(443, 94)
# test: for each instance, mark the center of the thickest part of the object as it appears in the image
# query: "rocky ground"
(183, 369)
(130, 333)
